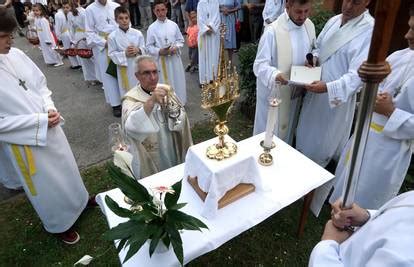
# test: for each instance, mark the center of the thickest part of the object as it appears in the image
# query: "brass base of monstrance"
(222, 150)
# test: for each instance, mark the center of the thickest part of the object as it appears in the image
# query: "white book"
(302, 75)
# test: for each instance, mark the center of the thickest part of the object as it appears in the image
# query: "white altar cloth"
(290, 177)
(217, 177)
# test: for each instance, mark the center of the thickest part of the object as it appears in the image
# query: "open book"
(302, 75)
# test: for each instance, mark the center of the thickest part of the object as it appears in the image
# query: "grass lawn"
(271, 243)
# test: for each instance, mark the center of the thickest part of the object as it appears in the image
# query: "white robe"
(63, 31)
(325, 119)
(161, 34)
(208, 14)
(78, 26)
(390, 141)
(118, 41)
(8, 173)
(266, 69)
(385, 240)
(272, 10)
(100, 22)
(45, 36)
(61, 195)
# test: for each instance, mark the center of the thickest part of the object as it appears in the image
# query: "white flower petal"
(85, 260)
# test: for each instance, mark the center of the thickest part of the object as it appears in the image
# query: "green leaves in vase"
(156, 217)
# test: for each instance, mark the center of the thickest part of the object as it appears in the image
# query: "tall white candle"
(271, 120)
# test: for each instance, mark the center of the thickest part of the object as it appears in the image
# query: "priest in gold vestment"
(158, 138)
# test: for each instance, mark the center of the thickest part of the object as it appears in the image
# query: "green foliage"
(247, 55)
(320, 18)
(148, 220)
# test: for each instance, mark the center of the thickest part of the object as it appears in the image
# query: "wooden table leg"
(304, 214)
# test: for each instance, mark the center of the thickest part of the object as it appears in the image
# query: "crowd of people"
(143, 76)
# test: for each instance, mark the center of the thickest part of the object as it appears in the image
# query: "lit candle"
(271, 120)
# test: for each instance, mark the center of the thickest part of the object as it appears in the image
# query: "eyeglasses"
(148, 73)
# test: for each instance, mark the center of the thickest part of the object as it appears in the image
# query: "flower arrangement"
(154, 217)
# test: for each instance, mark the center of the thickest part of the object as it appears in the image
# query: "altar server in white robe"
(63, 31)
(272, 10)
(385, 236)
(47, 42)
(283, 44)
(328, 106)
(390, 142)
(100, 22)
(157, 140)
(164, 41)
(208, 20)
(124, 44)
(34, 140)
(77, 19)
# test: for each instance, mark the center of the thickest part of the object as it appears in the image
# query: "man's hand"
(318, 87)
(173, 50)
(225, 11)
(53, 118)
(315, 62)
(281, 78)
(333, 233)
(164, 51)
(355, 216)
(158, 95)
(132, 51)
(384, 104)
(210, 29)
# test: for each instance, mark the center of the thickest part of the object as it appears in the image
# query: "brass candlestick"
(266, 159)
(218, 95)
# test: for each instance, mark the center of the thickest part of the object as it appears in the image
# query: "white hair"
(138, 60)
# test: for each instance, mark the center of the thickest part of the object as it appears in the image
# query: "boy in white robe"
(124, 44)
(34, 141)
(164, 41)
(390, 142)
(157, 141)
(283, 44)
(63, 31)
(382, 238)
(328, 107)
(100, 22)
(77, 21)
(208, 20)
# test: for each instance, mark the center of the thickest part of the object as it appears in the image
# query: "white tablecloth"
(290, 177)
(217, 177)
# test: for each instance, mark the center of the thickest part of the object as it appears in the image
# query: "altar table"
(291, 176)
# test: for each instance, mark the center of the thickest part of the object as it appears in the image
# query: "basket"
(71, 52)
(83, 52)
(31, 36)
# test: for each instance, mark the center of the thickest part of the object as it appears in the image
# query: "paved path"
(86, 114)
